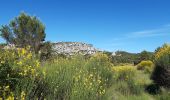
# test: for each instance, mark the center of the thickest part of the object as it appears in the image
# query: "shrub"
(161, 73)
(15, 66)
(145, 55)
(153, 89)
(147, 66)
(46, 51)
(124, 73)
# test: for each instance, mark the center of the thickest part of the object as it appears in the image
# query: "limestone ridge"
(71, 48)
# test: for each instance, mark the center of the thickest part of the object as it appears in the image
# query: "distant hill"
(126, 57)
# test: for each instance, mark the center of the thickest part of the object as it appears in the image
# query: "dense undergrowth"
(23, 77)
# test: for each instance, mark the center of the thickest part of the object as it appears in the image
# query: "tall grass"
(77, 78)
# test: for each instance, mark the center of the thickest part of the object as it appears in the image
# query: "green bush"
(46, 52)
(161, 73)
(147, 66)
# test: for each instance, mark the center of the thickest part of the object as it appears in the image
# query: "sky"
(128, 25)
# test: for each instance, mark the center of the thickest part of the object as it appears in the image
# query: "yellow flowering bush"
(124, 72)
(16, 65)
(161, 71)
(147, 66)
(162, 51)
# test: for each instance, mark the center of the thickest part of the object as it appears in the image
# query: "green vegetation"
(72, 78)
(123, 57)
(77, 78)
(147, 66)
(161, 74)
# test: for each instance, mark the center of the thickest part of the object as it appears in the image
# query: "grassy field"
(124, 82)
(75, 78)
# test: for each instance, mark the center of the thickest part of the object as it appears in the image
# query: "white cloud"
(163, 31)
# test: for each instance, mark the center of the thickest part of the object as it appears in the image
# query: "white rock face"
(71, 48)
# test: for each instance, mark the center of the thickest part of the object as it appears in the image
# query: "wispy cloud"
(127, 39)
(163, 31)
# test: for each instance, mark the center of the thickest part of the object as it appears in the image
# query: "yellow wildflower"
(2, 62)
(19, 63)
(37, 63)
(23, 51)
(23, 95)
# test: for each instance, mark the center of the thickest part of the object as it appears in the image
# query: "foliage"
(24, 30)
(73, 78)
(33, 88)
(153, 89)
(122, 57)
(131, 58)
(125, 77)
(109, 54)
(145, 55)
(16, 65)
(147, 66)
(124, 72)
(77, 78)
(161, 72)
(165, 95)
(100, 64)
(159, 48)
(46, 51)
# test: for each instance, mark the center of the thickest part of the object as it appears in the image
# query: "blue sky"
(130, 25)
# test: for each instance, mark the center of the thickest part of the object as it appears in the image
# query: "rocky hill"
(71, 48)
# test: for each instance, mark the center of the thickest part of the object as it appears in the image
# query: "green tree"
(145, 55)
(46, 51)
(159, 48)
(24, 30)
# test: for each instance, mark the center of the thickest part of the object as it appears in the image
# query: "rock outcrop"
(71, 48)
